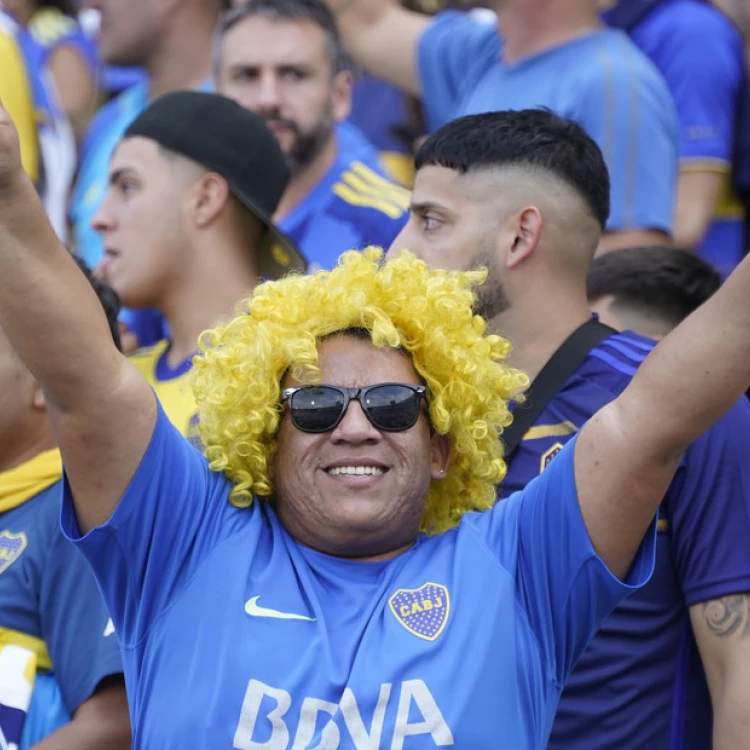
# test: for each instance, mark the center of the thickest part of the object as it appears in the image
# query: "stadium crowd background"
(666, 98)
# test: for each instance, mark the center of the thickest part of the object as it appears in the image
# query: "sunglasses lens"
(316, 408)
(392, 407)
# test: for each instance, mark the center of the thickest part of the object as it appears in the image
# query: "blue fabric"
(47, 712)
(49, 593)
(469, 633)
(644, 653)
(700, 54)
(601, 80)
(353, 206)
(377, 109)
(102, 137)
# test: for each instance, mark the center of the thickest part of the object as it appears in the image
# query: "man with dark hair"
(61, 679)
(187, 226)
(525, 194)
(552, 54)
(649, 290)
(284, 60)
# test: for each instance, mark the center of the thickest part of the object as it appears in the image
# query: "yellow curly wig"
(402, 304)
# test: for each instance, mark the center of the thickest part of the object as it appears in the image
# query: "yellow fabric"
(28, 480)
(10, 637)
(175, 395)
(15, 93)
(50, 24)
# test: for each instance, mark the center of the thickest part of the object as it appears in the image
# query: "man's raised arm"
(102, 411)
(626, 455)
(383, 37)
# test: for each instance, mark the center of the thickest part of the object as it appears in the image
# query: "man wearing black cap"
(186, 226)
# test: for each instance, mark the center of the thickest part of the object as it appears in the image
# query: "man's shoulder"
(620, 64)
(612, 363)
(700, 20)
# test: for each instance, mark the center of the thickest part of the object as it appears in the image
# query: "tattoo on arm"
(728, 616)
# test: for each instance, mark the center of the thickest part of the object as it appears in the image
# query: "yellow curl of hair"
(237, 377)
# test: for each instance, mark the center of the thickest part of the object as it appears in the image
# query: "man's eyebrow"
(118, 174)
(425, 206)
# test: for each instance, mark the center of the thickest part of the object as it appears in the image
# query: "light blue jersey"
(601, 80)
(234, 636)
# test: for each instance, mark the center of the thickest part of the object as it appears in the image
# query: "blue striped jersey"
(640, 683)
(353, 206)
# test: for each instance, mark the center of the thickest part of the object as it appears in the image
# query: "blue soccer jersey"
(234, 636)
(640, 683)
(50, 602)
(353, 206)
(601, 80)
(700, 54)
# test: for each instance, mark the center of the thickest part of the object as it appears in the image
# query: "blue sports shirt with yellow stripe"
(50, 603)
(235, 636)
(640, 683)
(700, 53)
(353, 206)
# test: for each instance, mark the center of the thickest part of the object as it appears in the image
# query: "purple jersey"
(640, 683)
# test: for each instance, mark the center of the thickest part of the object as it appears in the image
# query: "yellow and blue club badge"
(423, 611)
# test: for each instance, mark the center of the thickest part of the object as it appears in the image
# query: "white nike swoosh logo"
(254, 610)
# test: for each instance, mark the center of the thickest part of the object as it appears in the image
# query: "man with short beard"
(283, 59)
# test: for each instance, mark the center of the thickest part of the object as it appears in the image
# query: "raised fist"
(10, 151)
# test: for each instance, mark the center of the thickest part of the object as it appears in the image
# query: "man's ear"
(527, 227)
(341, 97)
(208, 197)
(441, 450)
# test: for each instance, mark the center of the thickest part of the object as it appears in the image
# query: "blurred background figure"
(283, 59)
(699, 52)
(554, 54)
(47, 142)
(186, 225)
(67, 54)
(172, 43)
(51, 610)
(649, 290)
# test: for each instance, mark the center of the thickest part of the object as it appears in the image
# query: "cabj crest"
(548, 455)
(11, 547)
(423, 611)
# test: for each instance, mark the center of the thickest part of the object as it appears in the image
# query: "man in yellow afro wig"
(426, 316)
(373, 596)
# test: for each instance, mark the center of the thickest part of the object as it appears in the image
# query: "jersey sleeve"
(625, 106)
(74, 622)
(708, 511)
(15, 93)
(167, 521)
(453, 49)
(699, 53)
(565, 589)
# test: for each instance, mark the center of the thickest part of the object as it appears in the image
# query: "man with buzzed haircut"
(550, 53)
(526, 194)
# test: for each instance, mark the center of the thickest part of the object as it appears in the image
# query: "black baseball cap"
(228, 139)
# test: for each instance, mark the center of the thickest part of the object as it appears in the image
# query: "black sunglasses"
(390, 407)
